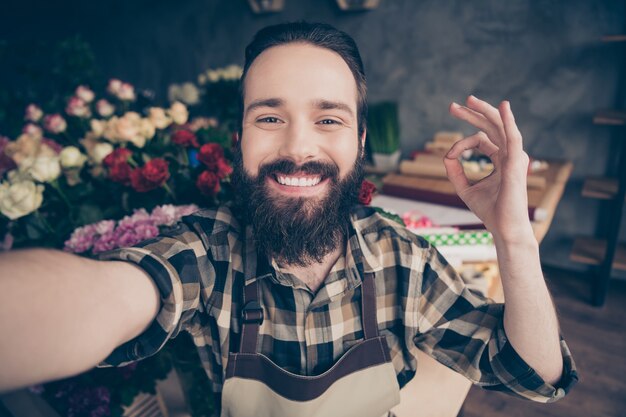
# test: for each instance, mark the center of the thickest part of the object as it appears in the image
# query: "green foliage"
(383, 128)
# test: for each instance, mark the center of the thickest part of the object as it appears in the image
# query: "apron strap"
(252, 313)
(251, 317)
(369, 318)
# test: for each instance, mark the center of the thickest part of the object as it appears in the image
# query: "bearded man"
(299, 300)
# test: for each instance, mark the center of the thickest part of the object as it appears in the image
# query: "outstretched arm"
(61, 314)
(500, 201)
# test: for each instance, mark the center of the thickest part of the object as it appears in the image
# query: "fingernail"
(454, 105)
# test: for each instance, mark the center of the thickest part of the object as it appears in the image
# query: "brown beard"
(296, 231)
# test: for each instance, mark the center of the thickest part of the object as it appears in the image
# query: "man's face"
(299, 105)
(300, 165)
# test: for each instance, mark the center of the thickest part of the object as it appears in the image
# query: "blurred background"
(544, 56)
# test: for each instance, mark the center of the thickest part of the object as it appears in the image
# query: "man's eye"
(268, 119)
(330, 122)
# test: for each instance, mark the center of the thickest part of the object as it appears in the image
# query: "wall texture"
(542, 55)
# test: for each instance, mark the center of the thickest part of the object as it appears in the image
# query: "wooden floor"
(597, 339)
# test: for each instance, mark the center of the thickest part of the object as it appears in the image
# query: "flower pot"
(386, 162)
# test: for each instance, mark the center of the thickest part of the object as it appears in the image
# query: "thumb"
(455, 173)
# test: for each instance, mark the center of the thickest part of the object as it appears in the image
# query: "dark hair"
(317, 34)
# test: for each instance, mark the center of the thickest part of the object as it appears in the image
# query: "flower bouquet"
(104, 173)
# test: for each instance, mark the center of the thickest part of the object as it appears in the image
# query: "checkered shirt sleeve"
(465, 332)
(173, 261)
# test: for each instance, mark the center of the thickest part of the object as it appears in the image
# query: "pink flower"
(54, 123)
(55, 146)
(105, 242)
(32, 130)
(104, 108)
(186, 210)
(6, 163)
(165, 215)
(78, 107)
(126, 92)
(33, 113)
(84, 93)
(81, 240)
(121, 90)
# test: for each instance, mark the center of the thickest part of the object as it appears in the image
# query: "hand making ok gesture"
(500, 200)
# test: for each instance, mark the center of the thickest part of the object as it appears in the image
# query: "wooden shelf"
(601, 188)
(613, 38)
(610, 117)
(591, 251)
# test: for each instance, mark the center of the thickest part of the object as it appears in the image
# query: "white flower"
(33, 113)
(97, 126)
(113, 87)
(213, 75)
(187, 92)
(84, 93)
(202, 79)
(159, 117)
(43, 168)
(127, 128)
(178, 112)
(104, 108)
(71, 157)
(232, 72)
(100, 151)
(147, 128)
(17, 199)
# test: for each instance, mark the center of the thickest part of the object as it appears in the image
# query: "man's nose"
(299, 143)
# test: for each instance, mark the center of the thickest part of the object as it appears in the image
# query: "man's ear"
(362, 139)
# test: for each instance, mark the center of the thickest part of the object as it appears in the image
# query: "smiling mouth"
(298, 181)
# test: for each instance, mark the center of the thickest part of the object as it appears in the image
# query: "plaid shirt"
(200, 264)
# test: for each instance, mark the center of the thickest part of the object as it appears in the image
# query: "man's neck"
(314, 275)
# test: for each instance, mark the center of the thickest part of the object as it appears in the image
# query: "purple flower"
(105, 242)
(164, 215)
(81, 240)
(37, 389)
(92, 402)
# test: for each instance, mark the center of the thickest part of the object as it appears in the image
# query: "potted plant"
(383, 135)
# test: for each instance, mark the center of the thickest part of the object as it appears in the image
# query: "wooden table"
(437, 391)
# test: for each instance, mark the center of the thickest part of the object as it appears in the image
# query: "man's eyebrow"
(320, 104)
(266, 102)
(331, 105)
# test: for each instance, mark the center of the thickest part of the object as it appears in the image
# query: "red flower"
(366, 192)
(186, 138)
(150, 176)
(210, 154)
(208, 183)
(120, 172)
(118, 156)
(223, 168)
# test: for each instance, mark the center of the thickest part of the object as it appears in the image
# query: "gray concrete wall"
(544, 56)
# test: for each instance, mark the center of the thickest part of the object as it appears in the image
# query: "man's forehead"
(303, 73)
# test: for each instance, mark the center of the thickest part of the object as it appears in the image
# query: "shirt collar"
(358, 257)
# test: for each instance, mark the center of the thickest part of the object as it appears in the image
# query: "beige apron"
(362, 383)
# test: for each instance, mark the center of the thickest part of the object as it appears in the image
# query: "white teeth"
(298, 182)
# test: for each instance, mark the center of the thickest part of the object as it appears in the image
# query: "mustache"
(288, 167)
